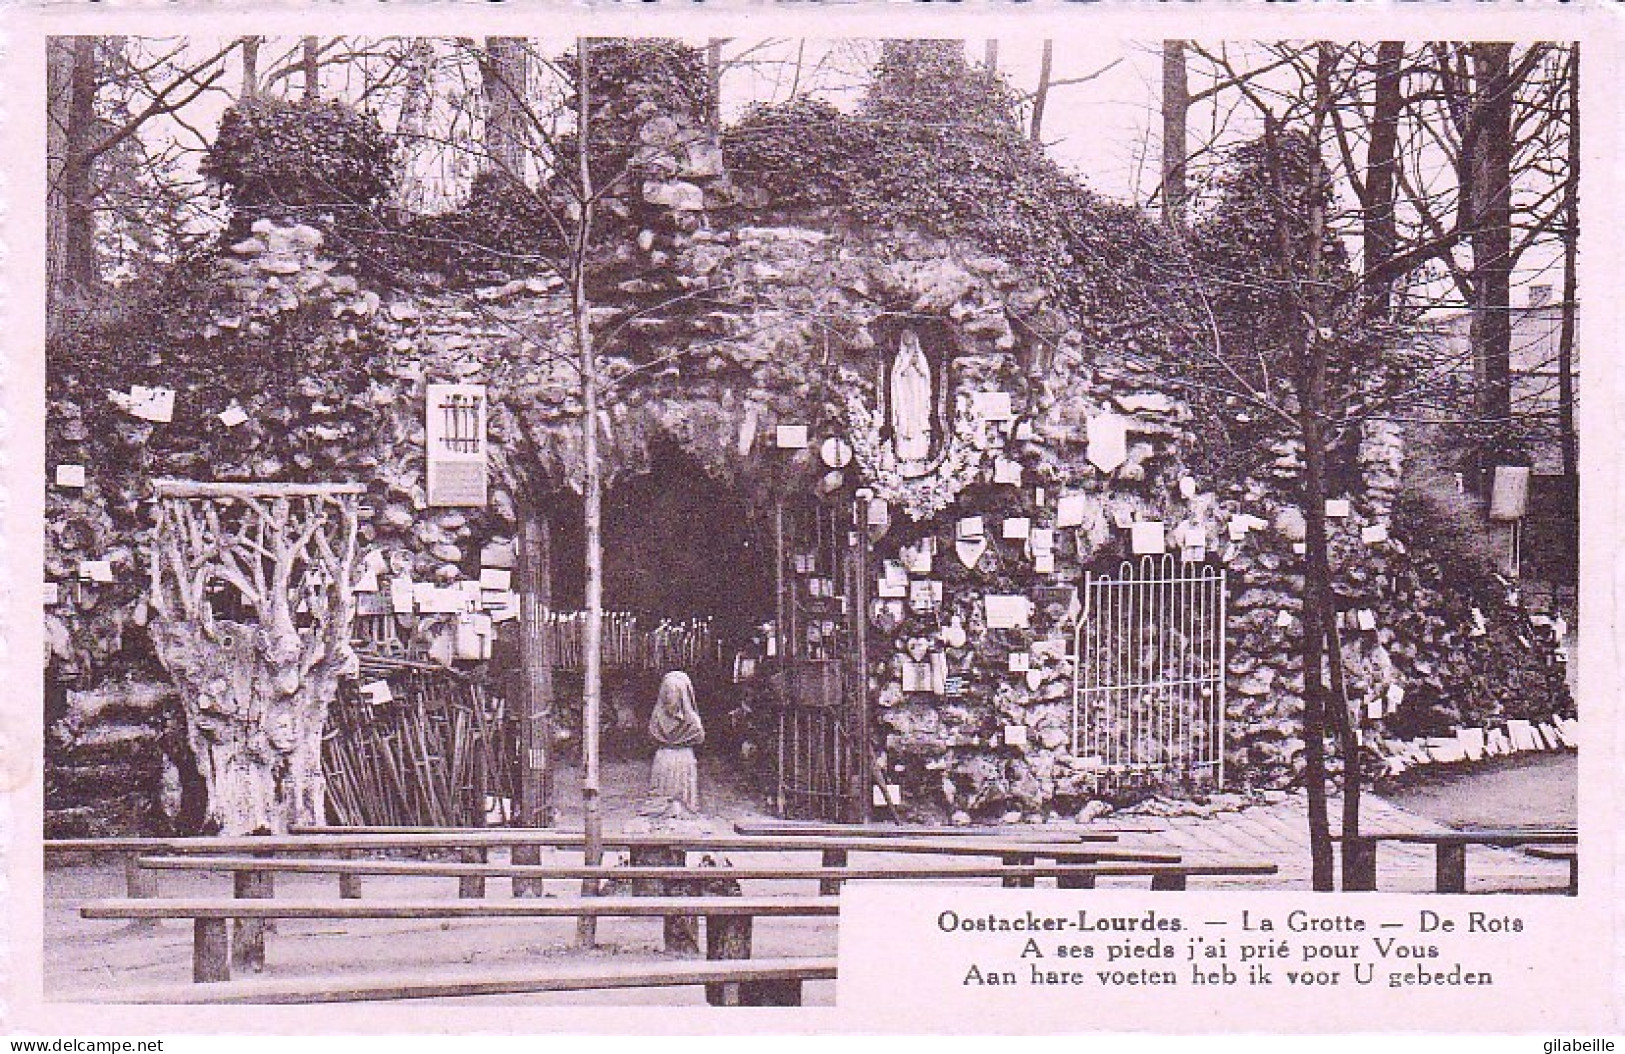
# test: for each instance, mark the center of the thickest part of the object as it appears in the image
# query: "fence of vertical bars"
(1149, 673)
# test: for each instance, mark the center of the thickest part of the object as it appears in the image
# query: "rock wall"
(115, 759)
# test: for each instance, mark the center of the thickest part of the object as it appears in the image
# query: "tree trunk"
(311, 66)
(1380, 232)
(1567, 436)
(1176, 104)
(59, 62)
(1315, 622)
(251, 69)
(412, 126)
(713, 82)
(257, 743)
(1489, 197)
(592, 631)
(256, 693)
(77, 273)
(505, 72)
(1041, 96)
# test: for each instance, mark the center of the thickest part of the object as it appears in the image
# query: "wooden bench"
(1569, 853)
(729, 921)
(745, 982)
(1163, 875)
(1021, 832)
(1450, 849)
(476, 842)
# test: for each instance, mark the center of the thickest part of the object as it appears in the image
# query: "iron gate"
(1149, 674)
(822, 770)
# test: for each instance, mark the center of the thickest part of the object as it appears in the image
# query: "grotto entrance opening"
(761, 588)
(688, 579)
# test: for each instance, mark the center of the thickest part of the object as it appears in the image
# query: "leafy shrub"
(275, 153)
(801, 153)
(936, 145)
(502, 229)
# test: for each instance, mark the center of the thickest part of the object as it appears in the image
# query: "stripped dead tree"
(252, 594)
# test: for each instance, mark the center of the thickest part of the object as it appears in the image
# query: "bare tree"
(1296, 330)
(1048, 83)
(1377, 190)
(99, 99)
(1041, 93)
(1486, 167)
(1567, 436)
(256, 687)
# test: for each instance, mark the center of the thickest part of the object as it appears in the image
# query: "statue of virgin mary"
(910, 400)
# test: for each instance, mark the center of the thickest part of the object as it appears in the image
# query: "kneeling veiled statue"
(675, 726)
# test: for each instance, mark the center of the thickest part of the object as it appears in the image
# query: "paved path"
(83, 954)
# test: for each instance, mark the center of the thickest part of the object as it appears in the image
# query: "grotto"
(870, 479)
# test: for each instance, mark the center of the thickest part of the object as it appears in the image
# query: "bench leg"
(681, 933)
(1017, 860)
(527, 856)
(1360, 865)
(211, 951)
(784, 993)
(1075, 882)
(830, 887)
(1451, 874)
(472, 887)
(1168, 881)
(139, 883)
(248, 937)
(350, 885)
(727, 937)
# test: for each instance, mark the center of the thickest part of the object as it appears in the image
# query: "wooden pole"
(139, 882)
(861, 732)
(350, 885)
(592, 633)
(727, 937)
